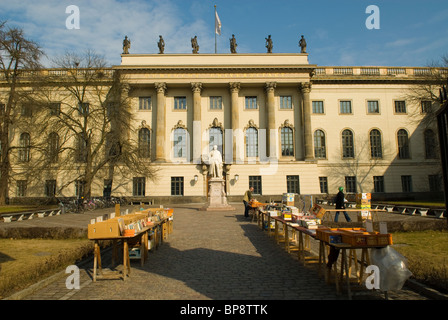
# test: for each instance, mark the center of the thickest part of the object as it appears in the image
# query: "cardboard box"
(103, 230)
(318, 211)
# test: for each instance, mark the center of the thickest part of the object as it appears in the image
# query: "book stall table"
(351, 239)
(132, 230)
(256, 210)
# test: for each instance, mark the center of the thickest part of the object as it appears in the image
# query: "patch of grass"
(427, 255)
(27, 261)
(8, 209)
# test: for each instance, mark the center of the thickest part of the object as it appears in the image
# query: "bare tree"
(19, 63)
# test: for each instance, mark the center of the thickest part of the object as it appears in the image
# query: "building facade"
(282, 125)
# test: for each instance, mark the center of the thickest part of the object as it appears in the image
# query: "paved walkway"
(209, 256)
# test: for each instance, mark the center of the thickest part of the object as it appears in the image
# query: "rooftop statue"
(233, 44)
(269, 45)
(194, 44)
(161, 45)
(302, 44)
(126, 45)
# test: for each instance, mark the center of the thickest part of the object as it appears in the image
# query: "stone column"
(161, 122)
(197, 129)
(305, 88)
(234, 92)
(271, 141)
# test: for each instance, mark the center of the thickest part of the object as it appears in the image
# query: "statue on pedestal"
(194, 44)
(302, 44)
(215, 161)
(126, 45)
(161, 45)
(233, 44)
(269, 45)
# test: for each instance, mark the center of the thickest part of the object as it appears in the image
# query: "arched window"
(251, 142)
(403, 144)
(24, 151)
(215, 138)
(180, 143)
(287, 141)
(348, 150)
(319, 145)
(430, 144)
(144, 143)
(53, 147)
(376, 149)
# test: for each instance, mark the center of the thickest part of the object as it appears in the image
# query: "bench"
(439, 213)
(20, 216)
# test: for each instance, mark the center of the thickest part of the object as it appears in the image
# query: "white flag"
(217, 24)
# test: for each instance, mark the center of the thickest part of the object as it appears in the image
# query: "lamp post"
(442, 124)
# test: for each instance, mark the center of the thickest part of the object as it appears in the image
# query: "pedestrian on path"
(246, 200)
(340, 204)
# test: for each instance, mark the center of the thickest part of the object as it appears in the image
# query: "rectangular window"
(323, 184)
(285, 102)
(373, 107)
(350, 184)
(79, 188)
(138, 186)
(83, 108)
(21, 188)
(144, 103)
(216, 103)
(26, 110)
(180, 103)
(400, 106)
(55, 109)
(406, 183)
(378, 184)
(292, 184)
(426, 106)
(50, 188)
(318, 107)
(345, 107)
(177, 186)
(255, 182)
(251, 103)
(435, 183)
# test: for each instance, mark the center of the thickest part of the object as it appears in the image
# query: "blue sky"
(412, 33)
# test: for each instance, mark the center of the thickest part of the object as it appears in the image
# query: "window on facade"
(180, 103)
(318, 106)
(376, 149)
(403, 144)
(430, 144)
(373, 107)
(21, 188)
(177, 186)
(400, 106)
(251, 142)
(285, 102)
(319, 145)
(50, 188)
(406, 183)
(426, 106)
(348, 150)
(435, 183)
(287, 141)
(378, 184)
(215, 103)
(215, 138)
(112, 109)
(292, 184)
(323, 184)
(255, 182)
(83, 109)
(350, 184)
(345, 107)
(144, 103)
(251, 103)
(53, 147)
(144, 143)
(26, 110)
(139, 186)
(25, 147)
(180, 143)
(55, 108)
(81, 151)
(80, 186)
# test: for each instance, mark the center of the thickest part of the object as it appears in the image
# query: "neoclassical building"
(282, 125)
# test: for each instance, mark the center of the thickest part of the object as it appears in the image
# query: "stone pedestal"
(217, 199)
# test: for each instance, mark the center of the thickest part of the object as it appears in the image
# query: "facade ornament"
(302, 45)
(196, 87)
(180, 125)
(216, 124)
(269, 44)
(161, 45)
(233, 44)
(161, 87)
(126, 45)
(194, 44)
(286, 124)
(235, 86)
(305, 87)
(251, 124)
(270, 86)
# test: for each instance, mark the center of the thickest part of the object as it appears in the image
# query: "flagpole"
(215, 32)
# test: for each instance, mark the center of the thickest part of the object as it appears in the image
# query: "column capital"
(161, 87)
(235, 86)
(270, 86)
(196, 87)
(305, 87)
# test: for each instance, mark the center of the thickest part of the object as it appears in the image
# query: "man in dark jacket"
(340, 204)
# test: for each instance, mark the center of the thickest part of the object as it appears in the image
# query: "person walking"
(340, 204)
(246, 199)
